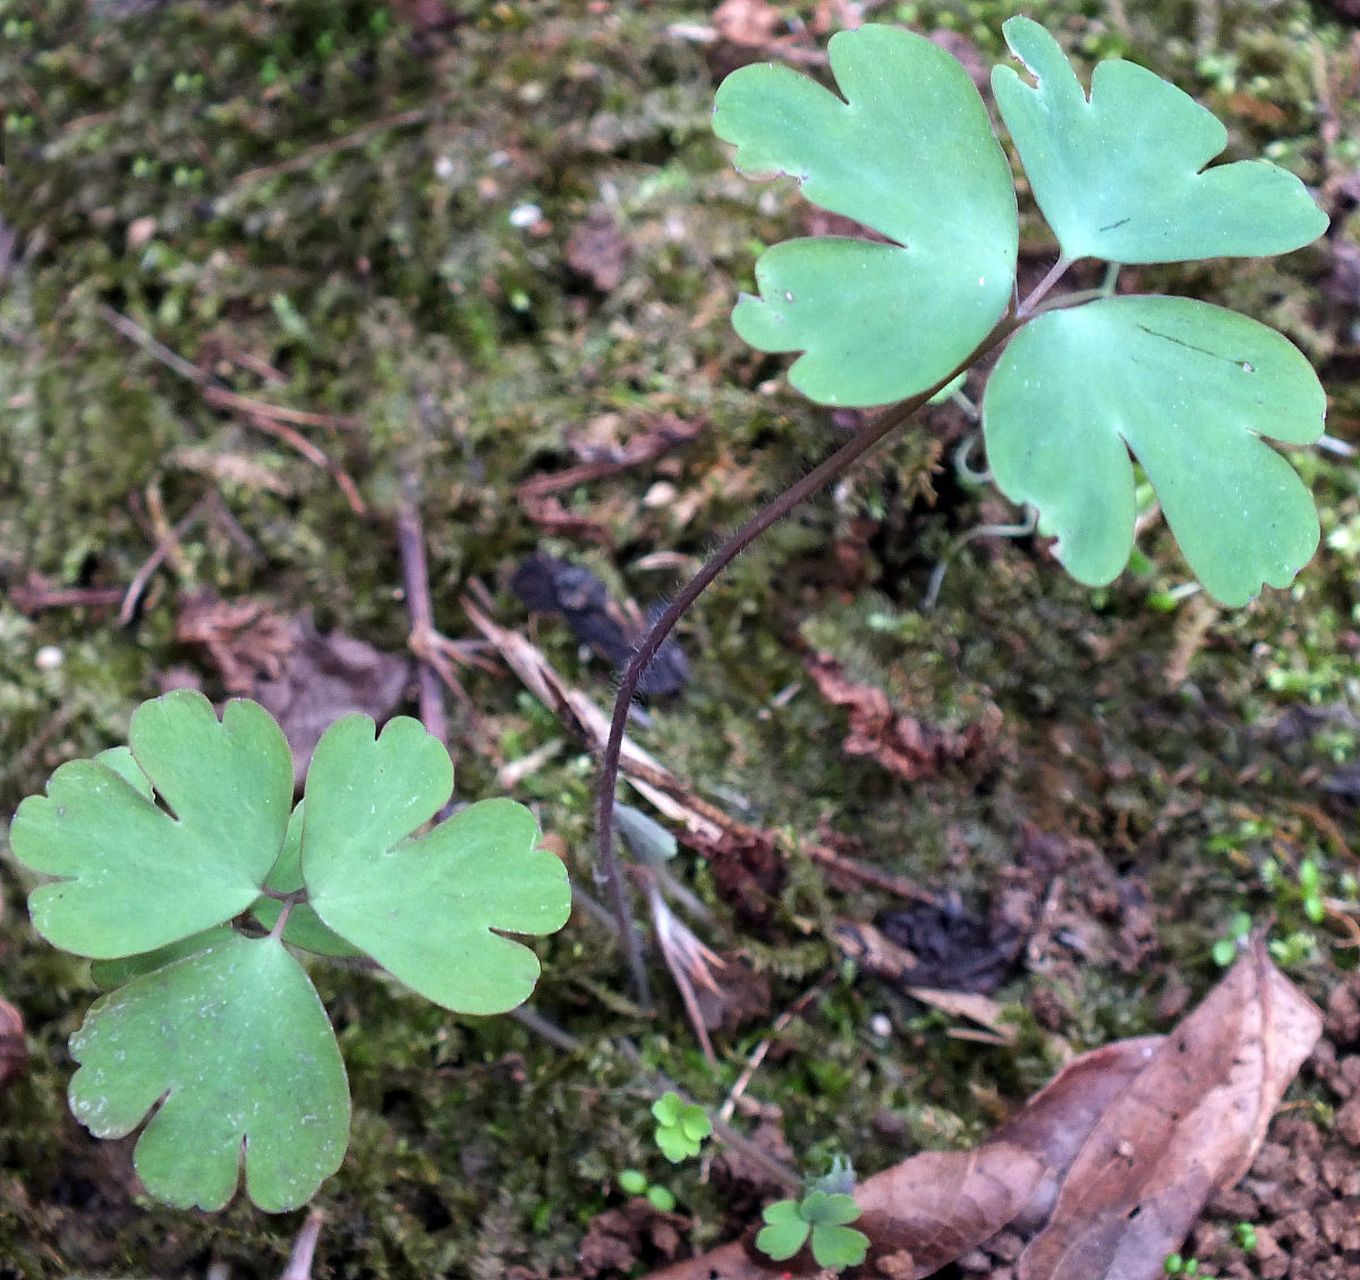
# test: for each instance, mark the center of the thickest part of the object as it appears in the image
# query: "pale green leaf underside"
(910, 154)
(236, 1047)
(429, 909)
(1190, 389)
(1121, 175)
(227, 789)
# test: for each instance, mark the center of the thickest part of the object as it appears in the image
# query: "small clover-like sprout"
(155, 853)
(681, 1127)
(820, 1217)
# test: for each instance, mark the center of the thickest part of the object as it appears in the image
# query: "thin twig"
(134, 333)
(222, 398)
(758, 1055)
(274, 420)
(133, 595)
(35, 595)
(777, 1169)
(728, 1136)
(305, 159)
(290, 435)
(416, 577)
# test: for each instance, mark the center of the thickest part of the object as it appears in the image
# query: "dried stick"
(416, 577)
(272, 419)
(132, 596)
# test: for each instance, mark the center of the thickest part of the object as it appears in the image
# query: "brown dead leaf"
(244, 640)
(1191, 1123)
(618, 1239)
(747, 22)
(598, 250)
(900, 743)
(326, 677)
(13, 1046)
(743, 995)
(303, 678)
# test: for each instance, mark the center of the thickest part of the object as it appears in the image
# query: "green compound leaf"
(785, 1232)
(910, 154)
(135, 876)
(428, 909)
(681, 1127)
(235, 1046)
(1121, 175)
(1190, 389)
(304, 928)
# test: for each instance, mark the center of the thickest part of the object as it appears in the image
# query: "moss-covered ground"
(313, 201)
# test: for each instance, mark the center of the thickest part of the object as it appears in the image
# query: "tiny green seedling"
(171, 859)
(681, 1127)
(1227, 948)
(635, 1183)
(821, 1218)
(1175, 1265)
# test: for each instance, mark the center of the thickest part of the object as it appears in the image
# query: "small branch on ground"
(416, 578)
(272, 419)
(167, 543)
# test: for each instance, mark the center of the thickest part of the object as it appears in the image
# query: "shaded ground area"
(268, 268)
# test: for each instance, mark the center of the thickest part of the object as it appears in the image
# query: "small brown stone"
(1343, 1013)
(1348, 1121)
(1340, 1223)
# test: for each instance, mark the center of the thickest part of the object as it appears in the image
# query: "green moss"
(328, 193)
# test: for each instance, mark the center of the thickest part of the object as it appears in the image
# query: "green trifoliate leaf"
(785, 1230)
(236, 1048)
(681, 1127)
(1121, 175)
(134, 876)
(303, 928)
(910, 154)
(1190, 389)
(429, 909)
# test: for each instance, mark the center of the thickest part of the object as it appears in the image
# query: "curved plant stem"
(1040, 290)
(282, 922)
(829, 469)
